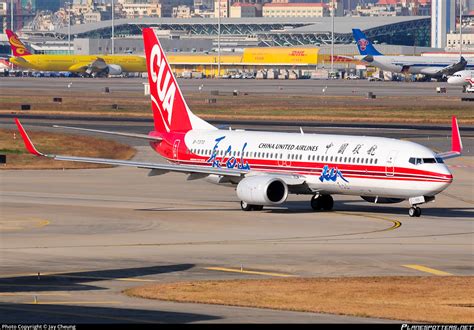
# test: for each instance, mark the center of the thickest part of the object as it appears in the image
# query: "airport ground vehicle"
(374, 78)
(265, 167)
(353, 77)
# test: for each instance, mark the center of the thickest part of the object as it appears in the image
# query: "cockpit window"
(418, 161)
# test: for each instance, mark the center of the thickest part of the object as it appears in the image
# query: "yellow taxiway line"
(243, 271)
(428, 270)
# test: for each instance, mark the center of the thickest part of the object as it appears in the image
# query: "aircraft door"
(390, 163)
(176, 149)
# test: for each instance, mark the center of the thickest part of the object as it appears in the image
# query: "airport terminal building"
(247, 44)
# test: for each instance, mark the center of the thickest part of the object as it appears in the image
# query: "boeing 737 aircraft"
(89, 64)
(265, 166)
(433, 66)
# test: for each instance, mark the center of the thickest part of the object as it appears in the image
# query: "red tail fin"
(170, 111)
(18, 48)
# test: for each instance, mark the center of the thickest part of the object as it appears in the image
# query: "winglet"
(456, 143)
(26, 139)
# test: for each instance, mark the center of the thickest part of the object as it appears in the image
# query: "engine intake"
(262, 190)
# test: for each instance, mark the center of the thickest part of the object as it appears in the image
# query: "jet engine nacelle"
(262, 190)
(382, 200)
(114, 69)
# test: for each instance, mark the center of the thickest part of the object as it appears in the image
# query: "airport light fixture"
(68, 4)
(460, 29)
(11, 22)
(218, 38)
(113, 43)
(332, 37)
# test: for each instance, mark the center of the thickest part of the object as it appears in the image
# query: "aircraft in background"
(89, 64)
(432, 66)
(265, 167)
(461, 77)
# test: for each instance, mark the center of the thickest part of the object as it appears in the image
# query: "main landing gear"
(414, 211)
(322, 202)
(250, 207)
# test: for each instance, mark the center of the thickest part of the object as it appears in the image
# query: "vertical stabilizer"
(170, 111)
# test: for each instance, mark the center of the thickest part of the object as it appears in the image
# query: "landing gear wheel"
(322, 202)
(327, 202)
(245, 206)
(414, 211)
(316, 203)
(257, 207)
(418, 212)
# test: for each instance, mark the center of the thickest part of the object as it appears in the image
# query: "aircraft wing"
(79, 67)
(133, 135)
(296, 183)
(453, 68)
(97, 65)
(158, 168)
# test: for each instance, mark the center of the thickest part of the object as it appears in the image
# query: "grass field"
(18, 157)
(418, 299)
(254, 106)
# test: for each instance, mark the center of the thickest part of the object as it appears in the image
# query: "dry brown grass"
(55, 143)
(418, 299)
(254, 106)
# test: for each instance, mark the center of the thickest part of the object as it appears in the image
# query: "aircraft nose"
(446, 178)
(451, 80)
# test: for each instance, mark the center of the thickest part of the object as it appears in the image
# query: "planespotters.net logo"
(437, 327)
(363, 43)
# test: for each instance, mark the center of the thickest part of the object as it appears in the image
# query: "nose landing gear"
(414, 211)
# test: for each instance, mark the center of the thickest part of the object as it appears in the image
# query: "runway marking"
(253, 272)
(428, 270)
(396, 223)
(34, 309)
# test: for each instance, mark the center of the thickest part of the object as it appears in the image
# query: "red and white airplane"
(266, 167)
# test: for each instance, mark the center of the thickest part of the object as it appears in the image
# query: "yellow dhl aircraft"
(89, 64)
